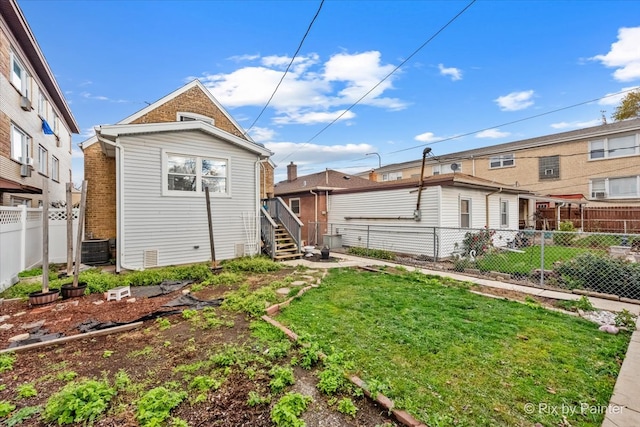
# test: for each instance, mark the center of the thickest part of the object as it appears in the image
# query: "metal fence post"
(542, 258)
(435, 253)
(368, 226)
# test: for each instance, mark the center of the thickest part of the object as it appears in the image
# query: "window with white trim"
(19, 75)
(20, 145)
(42, 105)
(55, 169)
(502, 161)
(548, 167)
(619, 146)
(615, 188)
(43, 160)
(391, 176)
(294, 205)
(438, 169)
(189, 117)
(465, 213)
(186, 174)
(504, 213)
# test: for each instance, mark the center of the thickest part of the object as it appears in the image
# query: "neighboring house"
(35, 121)
(146, 179)
(307, 198)
(600, 164)
(449, 206)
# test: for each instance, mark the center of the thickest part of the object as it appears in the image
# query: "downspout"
(416, 214)
(258, 196)
(558, 207)
(316, 216)
(486, 205)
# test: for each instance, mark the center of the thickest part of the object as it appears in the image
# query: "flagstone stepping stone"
(298, 283)
(311, 271)
(22, 313)
(283, 291)
(3, 318)
(6, 327)
(19, 337)
(33, 325)
(308, 277)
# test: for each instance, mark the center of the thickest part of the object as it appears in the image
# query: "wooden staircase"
(286, 247)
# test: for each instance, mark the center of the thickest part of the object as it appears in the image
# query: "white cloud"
(311, 88)
(492, 134)
(576, 125)
(624, 55)
(427, 137)
(312, 156)
(260, 134)
(515, 101)
(87, 133)
(242, 58)
(616, 98)
(454, 73)
(76, 153)
(88, 95)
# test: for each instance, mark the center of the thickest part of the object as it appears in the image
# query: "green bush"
(21, 415)
(373, 253)
(281, 377)
(156, 405)
(346, 406)
(285, 413)
(255, 264)
(79, 402)
(6, 361)
(478, 242)
(601, 274)
(6, 408)
(565, 235)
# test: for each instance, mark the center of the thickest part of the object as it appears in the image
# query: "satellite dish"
(455, 167)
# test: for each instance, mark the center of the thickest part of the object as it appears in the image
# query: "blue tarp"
(45, 128)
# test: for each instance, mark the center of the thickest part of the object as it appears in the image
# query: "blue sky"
(498, 62)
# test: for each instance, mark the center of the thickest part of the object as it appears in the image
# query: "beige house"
(35, 121)
(596, 166)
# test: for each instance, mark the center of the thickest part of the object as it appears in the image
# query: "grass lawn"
(523, 263)
(451, 357)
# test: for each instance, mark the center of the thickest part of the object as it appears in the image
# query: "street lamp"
(379, 158)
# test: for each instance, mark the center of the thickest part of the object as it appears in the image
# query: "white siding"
(397, 235)
(176, 225)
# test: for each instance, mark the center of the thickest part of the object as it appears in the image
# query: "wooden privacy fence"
(614, 219)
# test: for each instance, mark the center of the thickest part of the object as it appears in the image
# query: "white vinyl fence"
(21, 240)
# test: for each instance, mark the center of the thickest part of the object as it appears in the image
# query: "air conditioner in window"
(598, 194)
(25, 171)
(27, 161)
(25, 103)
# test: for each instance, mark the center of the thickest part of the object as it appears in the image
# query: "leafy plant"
(178, 422)
(309, 355)
(205, 383)
(255, 399)
(285, 413)
(163, 323)
(376, 387)
(281, 377)
(79, 402)
(21, 415)
(255, 264)
(107, 354)
(478, 243)
(346, 406)
(332, 378)
(566, 234)
(626, 319)
(581, 303)
(6, 361)
(66, 376)
(26, 390)
(156, 405)
(373, 253)
(6, 408)
(122, 380)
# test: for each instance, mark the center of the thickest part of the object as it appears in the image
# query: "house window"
(190, 117)
(20, 145)
(448, 168)
(502, 161)
(19, 76)
(392, 176)
(504, 213)
(192, 174)
(55, 169)
(465, 213)
(42, 105)
(613, 188)
(294, 205)
(43, 160)
(549, 167)
(614, 147)
(56, 123)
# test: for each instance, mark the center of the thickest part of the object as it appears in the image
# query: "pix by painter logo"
(568, 410)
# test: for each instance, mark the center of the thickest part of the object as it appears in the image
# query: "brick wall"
(192, 101)
(100, 172)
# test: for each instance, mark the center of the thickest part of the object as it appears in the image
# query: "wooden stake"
(69, 227)
(214, 264)
(45, 235)
(83, 202)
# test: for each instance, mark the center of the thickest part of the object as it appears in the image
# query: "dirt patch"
(150, 355)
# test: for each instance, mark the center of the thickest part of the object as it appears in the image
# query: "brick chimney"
(292, 172)
(373, 176)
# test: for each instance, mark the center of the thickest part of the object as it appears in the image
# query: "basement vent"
(239, 250)
(150, 258)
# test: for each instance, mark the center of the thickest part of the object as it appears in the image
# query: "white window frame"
(20, 82)
(24, 144)
(295, 199)
(42, 105)
(182, 115)
(43, 160)
(392, 176)
(503, 160)
(468, 213)
(504, 213)
(593, 189)
(438, 169)
(55, 169)
(199, 191)
(609, 153)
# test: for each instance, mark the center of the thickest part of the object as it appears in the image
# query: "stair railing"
(279, 210)
(268, 231)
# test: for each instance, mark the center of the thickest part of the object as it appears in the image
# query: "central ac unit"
(25, 171)
(25, 103)
(598, 194)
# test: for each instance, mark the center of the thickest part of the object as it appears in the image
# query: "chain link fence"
(602, 263)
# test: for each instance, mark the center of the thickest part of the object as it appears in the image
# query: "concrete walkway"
(624, 406)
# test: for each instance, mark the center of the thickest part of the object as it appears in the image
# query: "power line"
(383, 79)
(287, 70)
(512, 122)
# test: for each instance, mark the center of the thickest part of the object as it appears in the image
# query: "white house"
(393, 217)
